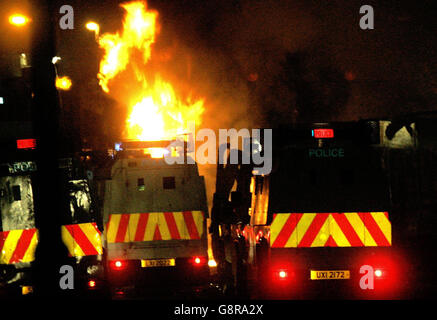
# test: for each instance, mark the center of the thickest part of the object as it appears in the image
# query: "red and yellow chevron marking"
(18, 246)
(349, 229)
(82, 239)
(131, 227)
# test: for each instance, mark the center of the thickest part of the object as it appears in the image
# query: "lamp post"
(50, 253)
(93, 26)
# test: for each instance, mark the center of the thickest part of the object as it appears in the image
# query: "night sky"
(310, 59)
(262, 63)
(265, 63)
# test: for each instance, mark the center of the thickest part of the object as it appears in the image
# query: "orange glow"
(157, 112)
(156, 152)
(63, 83)
(160, 115)
(18, 20)
(252, 77)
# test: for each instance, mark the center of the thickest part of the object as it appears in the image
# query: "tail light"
(91, 284)
(378, 273)
(282, 271)
(199, 261)
(390, 274)
(283, 274)
(118, 265)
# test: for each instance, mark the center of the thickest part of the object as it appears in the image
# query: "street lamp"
(92, 26)
(18, 20)
(55, 59)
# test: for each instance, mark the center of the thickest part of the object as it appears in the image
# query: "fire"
(157, 112)
(156, 152)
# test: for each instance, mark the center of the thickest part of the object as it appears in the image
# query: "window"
(168, 183)
(16, 192)
(141, 186)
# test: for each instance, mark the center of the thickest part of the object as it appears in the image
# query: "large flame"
(157, 113)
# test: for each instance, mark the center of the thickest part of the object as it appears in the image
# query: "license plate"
(330, 274)
(158, 263)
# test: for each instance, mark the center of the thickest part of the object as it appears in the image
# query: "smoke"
(239, 54)
(261, 63)
(270, 63)
(267, 63)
